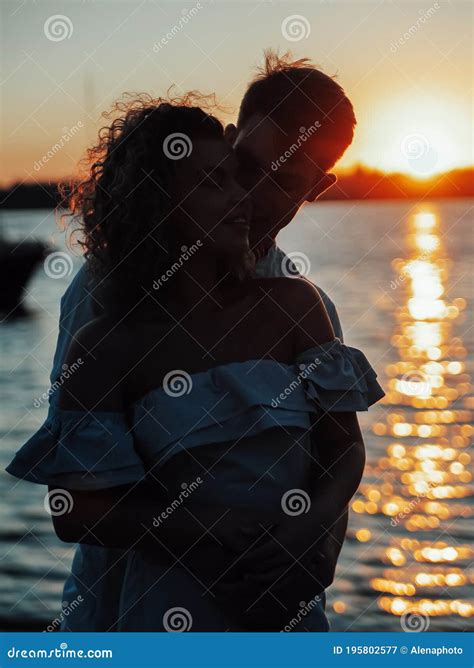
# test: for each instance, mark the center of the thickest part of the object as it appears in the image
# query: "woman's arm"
(118, 516)
(336, 476)
(340, 459)
(130, 517)
(340, 452)
(337, 465)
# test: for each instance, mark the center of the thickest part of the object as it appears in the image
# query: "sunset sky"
(406, 65)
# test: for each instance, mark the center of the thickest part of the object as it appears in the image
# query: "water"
(400, 275)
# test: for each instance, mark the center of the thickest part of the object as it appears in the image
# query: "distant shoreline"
(360, 184)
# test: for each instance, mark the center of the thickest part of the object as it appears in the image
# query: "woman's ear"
(230, 133)
(324, 183)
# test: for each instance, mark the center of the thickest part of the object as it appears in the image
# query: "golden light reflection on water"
(422, 484)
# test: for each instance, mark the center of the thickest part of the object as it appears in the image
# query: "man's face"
(277, 185)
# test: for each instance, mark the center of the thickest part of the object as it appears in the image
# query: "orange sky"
(407, 66)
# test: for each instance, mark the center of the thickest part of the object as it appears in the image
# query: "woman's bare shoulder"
(99, 357)
(298, 293)
(299, 300)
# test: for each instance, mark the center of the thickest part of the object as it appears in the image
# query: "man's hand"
(288, 542)
(308, 541)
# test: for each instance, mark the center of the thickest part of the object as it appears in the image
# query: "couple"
(207, 443)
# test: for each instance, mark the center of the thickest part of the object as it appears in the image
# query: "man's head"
(294, 124)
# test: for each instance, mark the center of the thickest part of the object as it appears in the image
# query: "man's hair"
(295, 95)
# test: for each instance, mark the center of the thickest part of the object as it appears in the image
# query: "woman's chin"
(239, 243)
(235, 243)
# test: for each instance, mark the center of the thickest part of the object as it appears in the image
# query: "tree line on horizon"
(361, 183)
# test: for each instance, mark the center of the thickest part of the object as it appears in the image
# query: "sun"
(420, 137)
(426, 152)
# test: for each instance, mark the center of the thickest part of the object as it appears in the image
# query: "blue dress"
(242, 429)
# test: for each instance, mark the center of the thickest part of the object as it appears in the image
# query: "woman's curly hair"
(121, 207)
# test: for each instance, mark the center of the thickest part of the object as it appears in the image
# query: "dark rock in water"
(22, 624)
(17, 264)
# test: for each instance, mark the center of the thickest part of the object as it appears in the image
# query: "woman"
(206, 402)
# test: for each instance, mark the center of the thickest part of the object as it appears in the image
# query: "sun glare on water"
(422, 483)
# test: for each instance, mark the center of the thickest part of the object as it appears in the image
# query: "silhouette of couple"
(207, 437)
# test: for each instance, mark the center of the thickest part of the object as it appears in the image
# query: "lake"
(400, 274)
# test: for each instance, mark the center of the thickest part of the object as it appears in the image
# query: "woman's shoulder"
(300, 303)
(288, 289)
(99, 356)
(103, 337)
(295, 296)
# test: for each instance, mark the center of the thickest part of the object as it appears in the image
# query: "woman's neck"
(201, 286)
(197, 284)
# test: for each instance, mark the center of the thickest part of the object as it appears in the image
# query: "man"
(294, 124)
